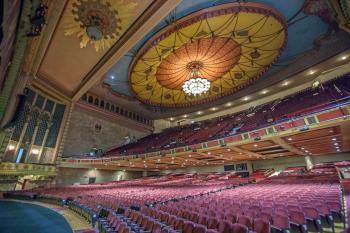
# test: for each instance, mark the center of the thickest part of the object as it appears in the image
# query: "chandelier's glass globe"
(196, 86)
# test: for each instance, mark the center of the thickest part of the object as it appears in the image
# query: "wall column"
(37, 124)
(23, 132)
(63, 132)
(49, 124)
(309, 162)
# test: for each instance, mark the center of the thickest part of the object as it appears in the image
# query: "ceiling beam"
(158, 10)
(246, 152)
(287, 146)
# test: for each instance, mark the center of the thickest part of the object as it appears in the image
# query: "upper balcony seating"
(299, 104)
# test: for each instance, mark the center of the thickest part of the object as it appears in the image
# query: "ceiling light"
(229, 104)
(306, 151)
(334, 139)
(336, 144)
(185, 116)
(11, 147)
(214, 109)
(172, 118)
(338, 150)
(246, 98)
(311, 72)
(302, 148)
(196, 85)
(255, 145)
(35, 151)
(285, 83)
(209, 153)
(199, 112)
(343, 58)
(112, 77)
(263, 92)
(316, 84)
(144, 161)
(289, 139)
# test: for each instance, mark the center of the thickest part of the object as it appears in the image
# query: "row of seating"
(311, 100)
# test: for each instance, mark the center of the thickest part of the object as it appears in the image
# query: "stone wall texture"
(82, 134)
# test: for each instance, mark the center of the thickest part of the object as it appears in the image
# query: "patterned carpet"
(76, 222)
(20, 217)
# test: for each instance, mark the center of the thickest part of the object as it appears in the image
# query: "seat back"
(225, 226)
(188, 227)
(213, 223)
(245, 220)
(281, 221)
(297, 217)
(198, 228)
(261, 226)
(239, 228)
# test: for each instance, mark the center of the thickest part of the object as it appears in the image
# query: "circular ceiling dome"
(216, 56)
(230, 45)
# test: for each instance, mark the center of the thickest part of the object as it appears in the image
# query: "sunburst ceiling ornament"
(100, 23)
(234, 44)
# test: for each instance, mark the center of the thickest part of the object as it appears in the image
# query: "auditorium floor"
(76, 222)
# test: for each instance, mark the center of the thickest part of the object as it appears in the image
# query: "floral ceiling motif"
(100, 23)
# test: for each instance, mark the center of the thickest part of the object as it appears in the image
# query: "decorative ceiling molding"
(150, 18)
(235, 44)
(100, 23)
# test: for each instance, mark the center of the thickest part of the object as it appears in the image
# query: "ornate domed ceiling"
(230, 45)
(238, 48)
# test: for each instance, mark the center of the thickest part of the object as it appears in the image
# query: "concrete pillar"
(309, 162)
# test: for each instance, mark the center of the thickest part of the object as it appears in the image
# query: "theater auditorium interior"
(174, 116)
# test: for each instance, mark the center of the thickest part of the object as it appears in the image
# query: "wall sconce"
(35, 151)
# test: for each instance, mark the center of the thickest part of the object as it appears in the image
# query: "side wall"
(281, 163)
(89, 129)
(70, 176)
(278, 164)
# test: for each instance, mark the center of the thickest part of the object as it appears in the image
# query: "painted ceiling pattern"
(100, 23)
(234, 44)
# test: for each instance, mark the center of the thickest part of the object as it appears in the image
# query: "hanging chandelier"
(196, 85)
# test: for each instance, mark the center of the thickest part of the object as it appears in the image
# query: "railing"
(27, 169)
(225, 140)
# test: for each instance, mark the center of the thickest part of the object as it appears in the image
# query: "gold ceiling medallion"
(208, 54)
(100, 23)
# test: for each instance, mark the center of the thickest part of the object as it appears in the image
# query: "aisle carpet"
(17, 217)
